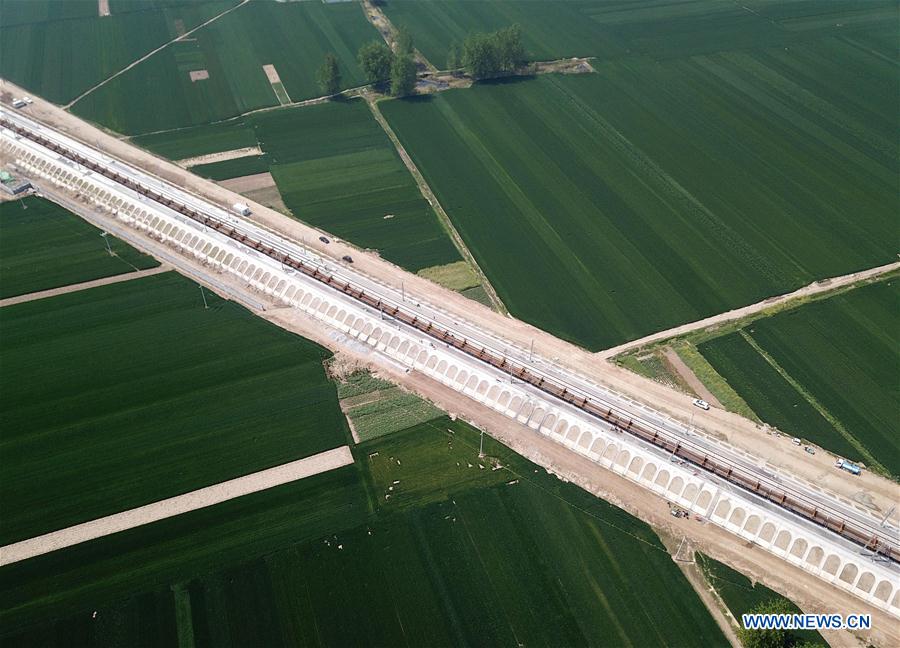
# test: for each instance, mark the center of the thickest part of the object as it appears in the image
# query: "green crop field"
(294, 37)
(742, 596)
(44, 246)
(200, 140)
(336, 169)
(60, 49)
(655, 193)
(129, 577)
(844, 353)
(463, 555)
(235, 168)
(126, 394)
(612, 30)
(769, 394)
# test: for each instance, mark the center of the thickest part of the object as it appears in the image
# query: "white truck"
(241, 209)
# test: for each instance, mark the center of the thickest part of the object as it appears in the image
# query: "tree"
(453, 57)
(404, 40)
(329, 76)
(510, 51)
(480, 56)
(403, 76)
(495, 54)
(375, 59)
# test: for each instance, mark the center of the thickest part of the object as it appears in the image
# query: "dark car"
(347, 258)
(324, 240)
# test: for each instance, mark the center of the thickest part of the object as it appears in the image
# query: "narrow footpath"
(815, 288)
(84, 285)
(201, 498)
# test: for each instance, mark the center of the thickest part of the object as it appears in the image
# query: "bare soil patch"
(199, 75)
(248, 183)
(103, 7)
(209, 158)
(690, 378)
(270, 197)
(271, 73)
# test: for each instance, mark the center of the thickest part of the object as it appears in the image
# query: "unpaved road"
(209, 496)
(812, 289)
(690, 378)
(84, 285)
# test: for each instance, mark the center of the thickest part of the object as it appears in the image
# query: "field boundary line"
(84, 285)
(442, 215)
(197, 499)
(158, 49)
(816, 405)
(815, 288)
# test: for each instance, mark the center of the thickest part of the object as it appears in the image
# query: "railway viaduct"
(798, 541)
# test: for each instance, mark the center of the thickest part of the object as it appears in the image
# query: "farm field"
(200, 140)
(44, 246)
(235, 168)
(613, 30)
(335, 168)
(376, 407)
(460, 556)
(843, 353)
(654, 193)
(130, 393)
(742, 596)
(294, 37)
(59, 50)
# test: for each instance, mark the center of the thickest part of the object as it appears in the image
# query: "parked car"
(702, 404)
(796, 441)
(347, 258)
(810, 450)
(324, 239)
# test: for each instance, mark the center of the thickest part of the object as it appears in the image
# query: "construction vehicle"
(849, 466)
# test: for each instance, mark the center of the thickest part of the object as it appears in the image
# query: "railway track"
(870, 538)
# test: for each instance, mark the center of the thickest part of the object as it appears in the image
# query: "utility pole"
(403, 290)
(531, 351)
(203, 294)
(481, 446)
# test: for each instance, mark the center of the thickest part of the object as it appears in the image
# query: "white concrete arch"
(783, 540)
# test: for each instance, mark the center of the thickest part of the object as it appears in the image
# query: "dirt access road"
(85, 285)
(814, 288)
(201, 498)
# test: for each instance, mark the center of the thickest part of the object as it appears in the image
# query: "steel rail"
(760, 485)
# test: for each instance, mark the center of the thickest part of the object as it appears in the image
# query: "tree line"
(491, 55)
(382, 67)
(481, 55)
